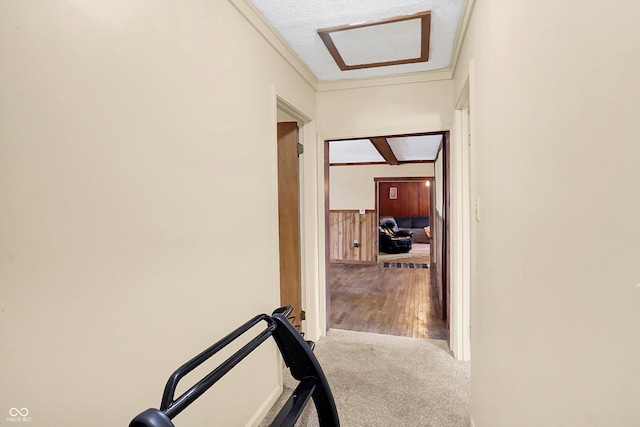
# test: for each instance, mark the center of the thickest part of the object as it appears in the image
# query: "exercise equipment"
(296, 353)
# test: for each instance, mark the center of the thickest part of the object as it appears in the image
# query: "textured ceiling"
(411, 148)
(388, 42)
(405, 148)
(297, 22)
(354, 151)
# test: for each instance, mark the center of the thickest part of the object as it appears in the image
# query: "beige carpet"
(383, 380)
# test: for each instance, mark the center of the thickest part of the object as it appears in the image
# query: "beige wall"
(555, 271)
(137, 159)
(353, 187)
(385, 110)
(374, 111)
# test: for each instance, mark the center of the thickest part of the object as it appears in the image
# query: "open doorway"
(289, 219)
(290, 125)
(363, 294)
(404, 205)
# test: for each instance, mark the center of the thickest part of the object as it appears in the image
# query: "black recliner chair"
(391, 240)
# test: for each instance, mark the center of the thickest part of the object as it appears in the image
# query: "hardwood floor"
(392, 301)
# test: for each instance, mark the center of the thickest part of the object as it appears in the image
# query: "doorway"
(290, 127)
(362, 270)
(408, 202)
(289, 219)
(463, 218)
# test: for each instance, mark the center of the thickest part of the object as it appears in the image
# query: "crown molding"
(265, 29)
(461, 34)
(396, 79)
(253, 16)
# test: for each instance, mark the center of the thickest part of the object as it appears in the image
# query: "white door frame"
(309, 258)
(460, 326)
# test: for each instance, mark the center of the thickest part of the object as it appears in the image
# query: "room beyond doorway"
(351, 235)
(388, 300)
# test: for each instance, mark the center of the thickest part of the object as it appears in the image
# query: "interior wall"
(352, 187)
(555, 304)
(123, 242)
(411, 198)
(372, 111)
(386, 110)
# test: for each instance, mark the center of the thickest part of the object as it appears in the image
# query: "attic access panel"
(392, 41)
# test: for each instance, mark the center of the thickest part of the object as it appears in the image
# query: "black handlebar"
(296, 354)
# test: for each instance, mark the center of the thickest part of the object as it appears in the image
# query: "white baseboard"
(265, 407)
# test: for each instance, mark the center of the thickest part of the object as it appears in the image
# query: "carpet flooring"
(382, 380)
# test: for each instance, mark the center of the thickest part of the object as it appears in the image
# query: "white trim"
(461, 237)
(285, 104)
(311, 220)
(455, 330)
(461, 34)
(321, 243)
(465, 250)
(255, 18)
(463, 97)
(426, 76)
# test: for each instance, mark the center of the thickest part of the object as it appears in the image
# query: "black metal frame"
(297, 355)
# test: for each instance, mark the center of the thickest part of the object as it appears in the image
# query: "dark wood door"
(289, 219)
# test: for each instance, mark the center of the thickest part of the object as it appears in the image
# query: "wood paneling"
(412, 199)
(345, 226)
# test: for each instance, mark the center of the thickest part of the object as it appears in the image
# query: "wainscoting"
(347, 226)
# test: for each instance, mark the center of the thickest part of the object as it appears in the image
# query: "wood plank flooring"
(392, 301)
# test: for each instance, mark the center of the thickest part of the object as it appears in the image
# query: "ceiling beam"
(385, 150)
